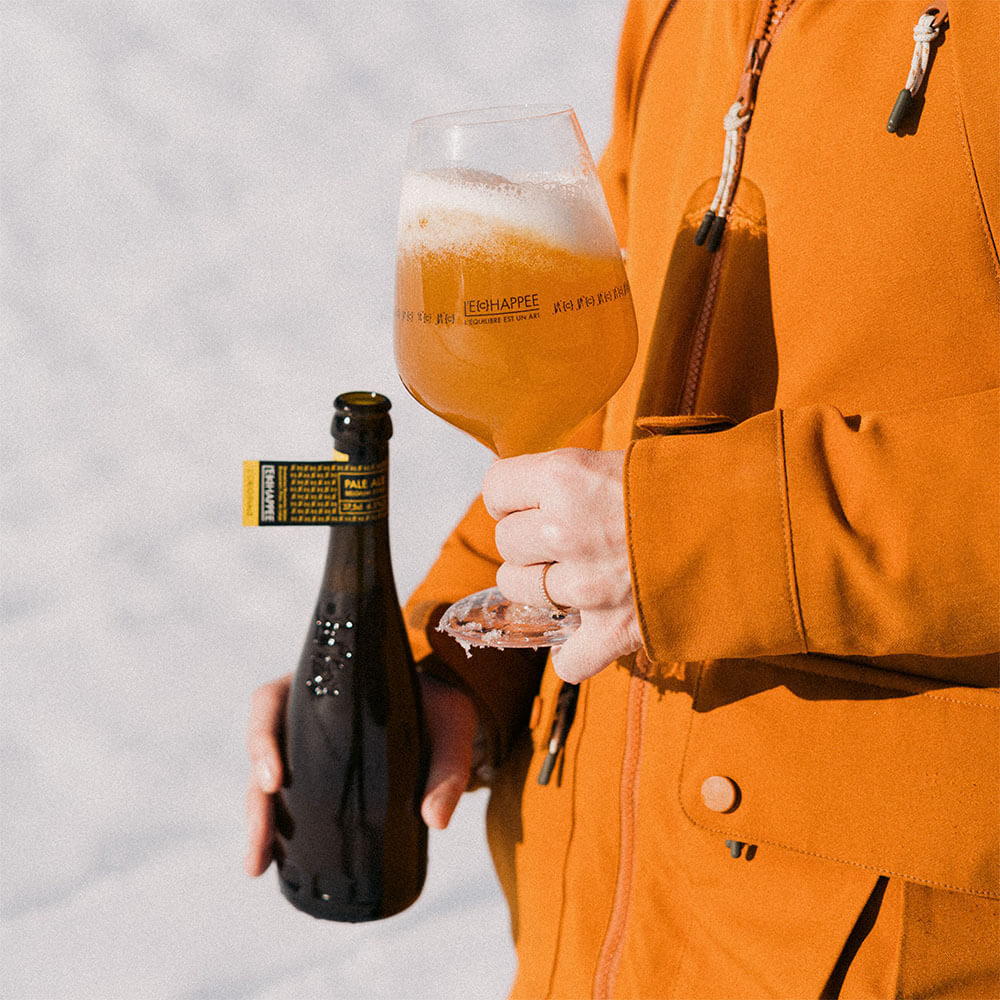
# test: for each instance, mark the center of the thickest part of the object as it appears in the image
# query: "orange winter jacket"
(791, 791)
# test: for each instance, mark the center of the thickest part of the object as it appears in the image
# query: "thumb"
(451, 727)
(578, 658)
(594, 645)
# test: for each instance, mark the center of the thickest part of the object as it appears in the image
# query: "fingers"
(600, 640)
(560, 480)
(515, 484)
(592, 586)
(267, 712)
(451, 725)
(523, 584)
(446, 784)
(260, 830)
(524, 537)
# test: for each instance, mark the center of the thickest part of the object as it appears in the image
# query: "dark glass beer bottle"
(350, 842)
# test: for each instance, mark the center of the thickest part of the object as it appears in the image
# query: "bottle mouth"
(362, 402)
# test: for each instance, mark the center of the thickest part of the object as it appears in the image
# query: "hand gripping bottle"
(350, 842)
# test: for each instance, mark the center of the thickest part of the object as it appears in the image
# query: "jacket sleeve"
(810, 531)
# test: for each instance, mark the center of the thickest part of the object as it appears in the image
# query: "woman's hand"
(452, 727)
(267, 716)
(566, 507)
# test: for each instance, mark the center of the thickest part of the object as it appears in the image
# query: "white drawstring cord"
(737, 121)
(732, 123)
(714, 222)
(925, 31)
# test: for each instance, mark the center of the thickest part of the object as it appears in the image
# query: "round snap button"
(720, 794)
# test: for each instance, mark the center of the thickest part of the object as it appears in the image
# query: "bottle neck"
(362, 464)
(361, 450)
(361, 430)
(358, 552)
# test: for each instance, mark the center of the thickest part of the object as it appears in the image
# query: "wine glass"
(513, 318)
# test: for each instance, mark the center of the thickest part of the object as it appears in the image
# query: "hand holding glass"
(514, 319)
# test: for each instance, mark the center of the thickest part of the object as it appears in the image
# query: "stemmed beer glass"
(513, 319)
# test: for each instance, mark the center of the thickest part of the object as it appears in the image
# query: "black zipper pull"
(925, 31)
(703, 230)
(561, 722)
(899, 110)
(735, 847)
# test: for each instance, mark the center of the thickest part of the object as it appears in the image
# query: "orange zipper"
(699, 339)
(770, 17)
(614, 939)
(609, 959)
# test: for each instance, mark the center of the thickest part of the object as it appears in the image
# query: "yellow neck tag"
(340, 492)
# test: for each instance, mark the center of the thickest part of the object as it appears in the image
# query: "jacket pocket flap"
(899, 780)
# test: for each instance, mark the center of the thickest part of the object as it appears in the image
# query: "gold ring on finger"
(557, 609)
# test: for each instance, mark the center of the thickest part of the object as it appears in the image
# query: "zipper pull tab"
(899, 110)
(737, 121)
(703, 230)
(714, 222)
(561, 722)
(925, 31)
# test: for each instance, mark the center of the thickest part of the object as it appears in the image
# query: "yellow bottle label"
(338, 492)
(251, 494)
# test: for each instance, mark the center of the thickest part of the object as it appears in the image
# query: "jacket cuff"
(710, 544)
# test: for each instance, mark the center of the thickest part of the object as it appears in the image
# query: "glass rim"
(494, 115)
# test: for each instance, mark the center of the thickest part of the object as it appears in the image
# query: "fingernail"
(265, 776)
(434, 808)
(436, 812)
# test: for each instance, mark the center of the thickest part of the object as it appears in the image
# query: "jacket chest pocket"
(825, 762)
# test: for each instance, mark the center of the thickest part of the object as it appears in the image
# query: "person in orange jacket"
(782, 775)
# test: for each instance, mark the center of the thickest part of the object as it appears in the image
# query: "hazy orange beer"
(514, 319)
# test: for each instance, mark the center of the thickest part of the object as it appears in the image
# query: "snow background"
(198, 211)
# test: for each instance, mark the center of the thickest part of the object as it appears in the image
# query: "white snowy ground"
(198, 211)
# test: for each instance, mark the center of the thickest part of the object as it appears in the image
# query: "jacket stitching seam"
(640, 610)
(958, 701)
(752, 839)
(794, 599)
(872, 679)
(647, 56)
(970, 169)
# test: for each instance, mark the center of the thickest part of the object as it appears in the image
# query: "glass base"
(489, 619)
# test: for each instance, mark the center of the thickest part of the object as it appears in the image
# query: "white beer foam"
(449, 210)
